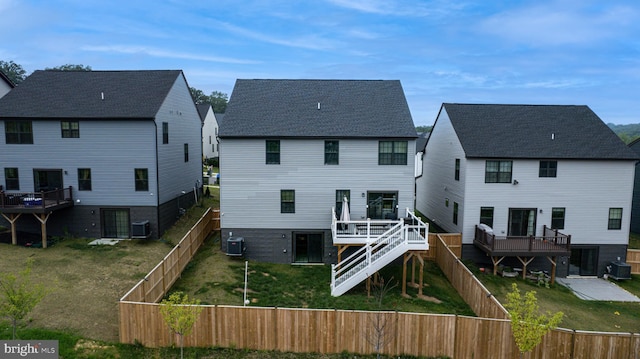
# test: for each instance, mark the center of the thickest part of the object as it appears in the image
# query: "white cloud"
(401, 7)
(127, 49)
(559, 23)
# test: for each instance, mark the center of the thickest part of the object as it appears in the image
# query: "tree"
(180, 313)
(19, 295)
(383, 330)
(14, 72)
(217, 99)
(70, 67)
(527, 325)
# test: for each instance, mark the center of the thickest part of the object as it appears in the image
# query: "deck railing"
(41, 199)
(551, 240)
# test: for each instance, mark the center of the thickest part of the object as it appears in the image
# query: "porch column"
(43, 217)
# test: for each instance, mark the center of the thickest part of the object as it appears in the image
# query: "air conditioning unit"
(235, 246)
(140, 229)
(619, 270)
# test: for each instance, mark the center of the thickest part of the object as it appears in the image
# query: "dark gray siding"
(276, 245)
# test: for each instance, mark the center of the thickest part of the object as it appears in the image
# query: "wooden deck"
(35, 202)
(550, 245)
(39, 204)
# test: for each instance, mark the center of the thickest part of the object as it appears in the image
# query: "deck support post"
(495, 262)
(553, 268)
(412, 256)
(525, 263)
(43, 217)
(13, 217)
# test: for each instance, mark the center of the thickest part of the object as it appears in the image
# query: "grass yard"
(578, 314)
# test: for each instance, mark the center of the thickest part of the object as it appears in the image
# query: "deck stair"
(382, 242)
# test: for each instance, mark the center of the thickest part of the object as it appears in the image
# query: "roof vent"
(102, 95)
(318, 105)
(553, 136)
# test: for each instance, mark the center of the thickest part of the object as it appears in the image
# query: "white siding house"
(519, 168)
(210, 123)
(5, 84)
(124, 145)
(290, 150)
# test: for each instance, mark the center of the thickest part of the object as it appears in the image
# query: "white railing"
(383, 242)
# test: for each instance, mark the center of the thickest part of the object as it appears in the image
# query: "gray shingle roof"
(203, 108)
(534, 131)
(289, 108)
(78, 94)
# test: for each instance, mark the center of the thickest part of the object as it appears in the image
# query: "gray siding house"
(635, 210)
(124, 146)
(525, 171)
(291, 150)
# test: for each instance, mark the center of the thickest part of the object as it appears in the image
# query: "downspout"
(155, 124)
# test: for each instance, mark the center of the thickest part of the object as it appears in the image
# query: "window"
(287, 201)
(70, 129)
(548, 168)
(142, 179)
(331, 152)
(455, 212)
(486, 216)
(186, 152)
(557, 218)
(497, 172)
(12, 181)
(340, 194)
(84, 179)
(392, 153)
(273, 152)
(18, 132)
(615, 218)
(165, 133)
(457, 174)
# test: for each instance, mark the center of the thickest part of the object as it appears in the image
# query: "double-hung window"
(142, 179)
(486, 216)
(18, 132)
(497, 171)
(557, 218)
(457, 170)
(287, 201)
(273, 152)
(84, 179)
(331, 152)
(615, 218)
(70, 129)
(165, 133)
(392, 152)
(12, 181)
(548, 169)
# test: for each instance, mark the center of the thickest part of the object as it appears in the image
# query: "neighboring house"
(521, 168)
(5, 84)
(114, 149)
(210, 123)
(291, 150)
(635, 208)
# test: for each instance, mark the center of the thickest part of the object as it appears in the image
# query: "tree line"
(16, 73)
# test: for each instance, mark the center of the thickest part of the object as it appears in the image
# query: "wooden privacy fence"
(474, 293)
(633, 258)
(336, 331)
(155, 285)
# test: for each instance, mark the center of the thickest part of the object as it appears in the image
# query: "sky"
(569, 52)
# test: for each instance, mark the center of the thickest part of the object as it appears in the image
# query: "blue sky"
(583, 52)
